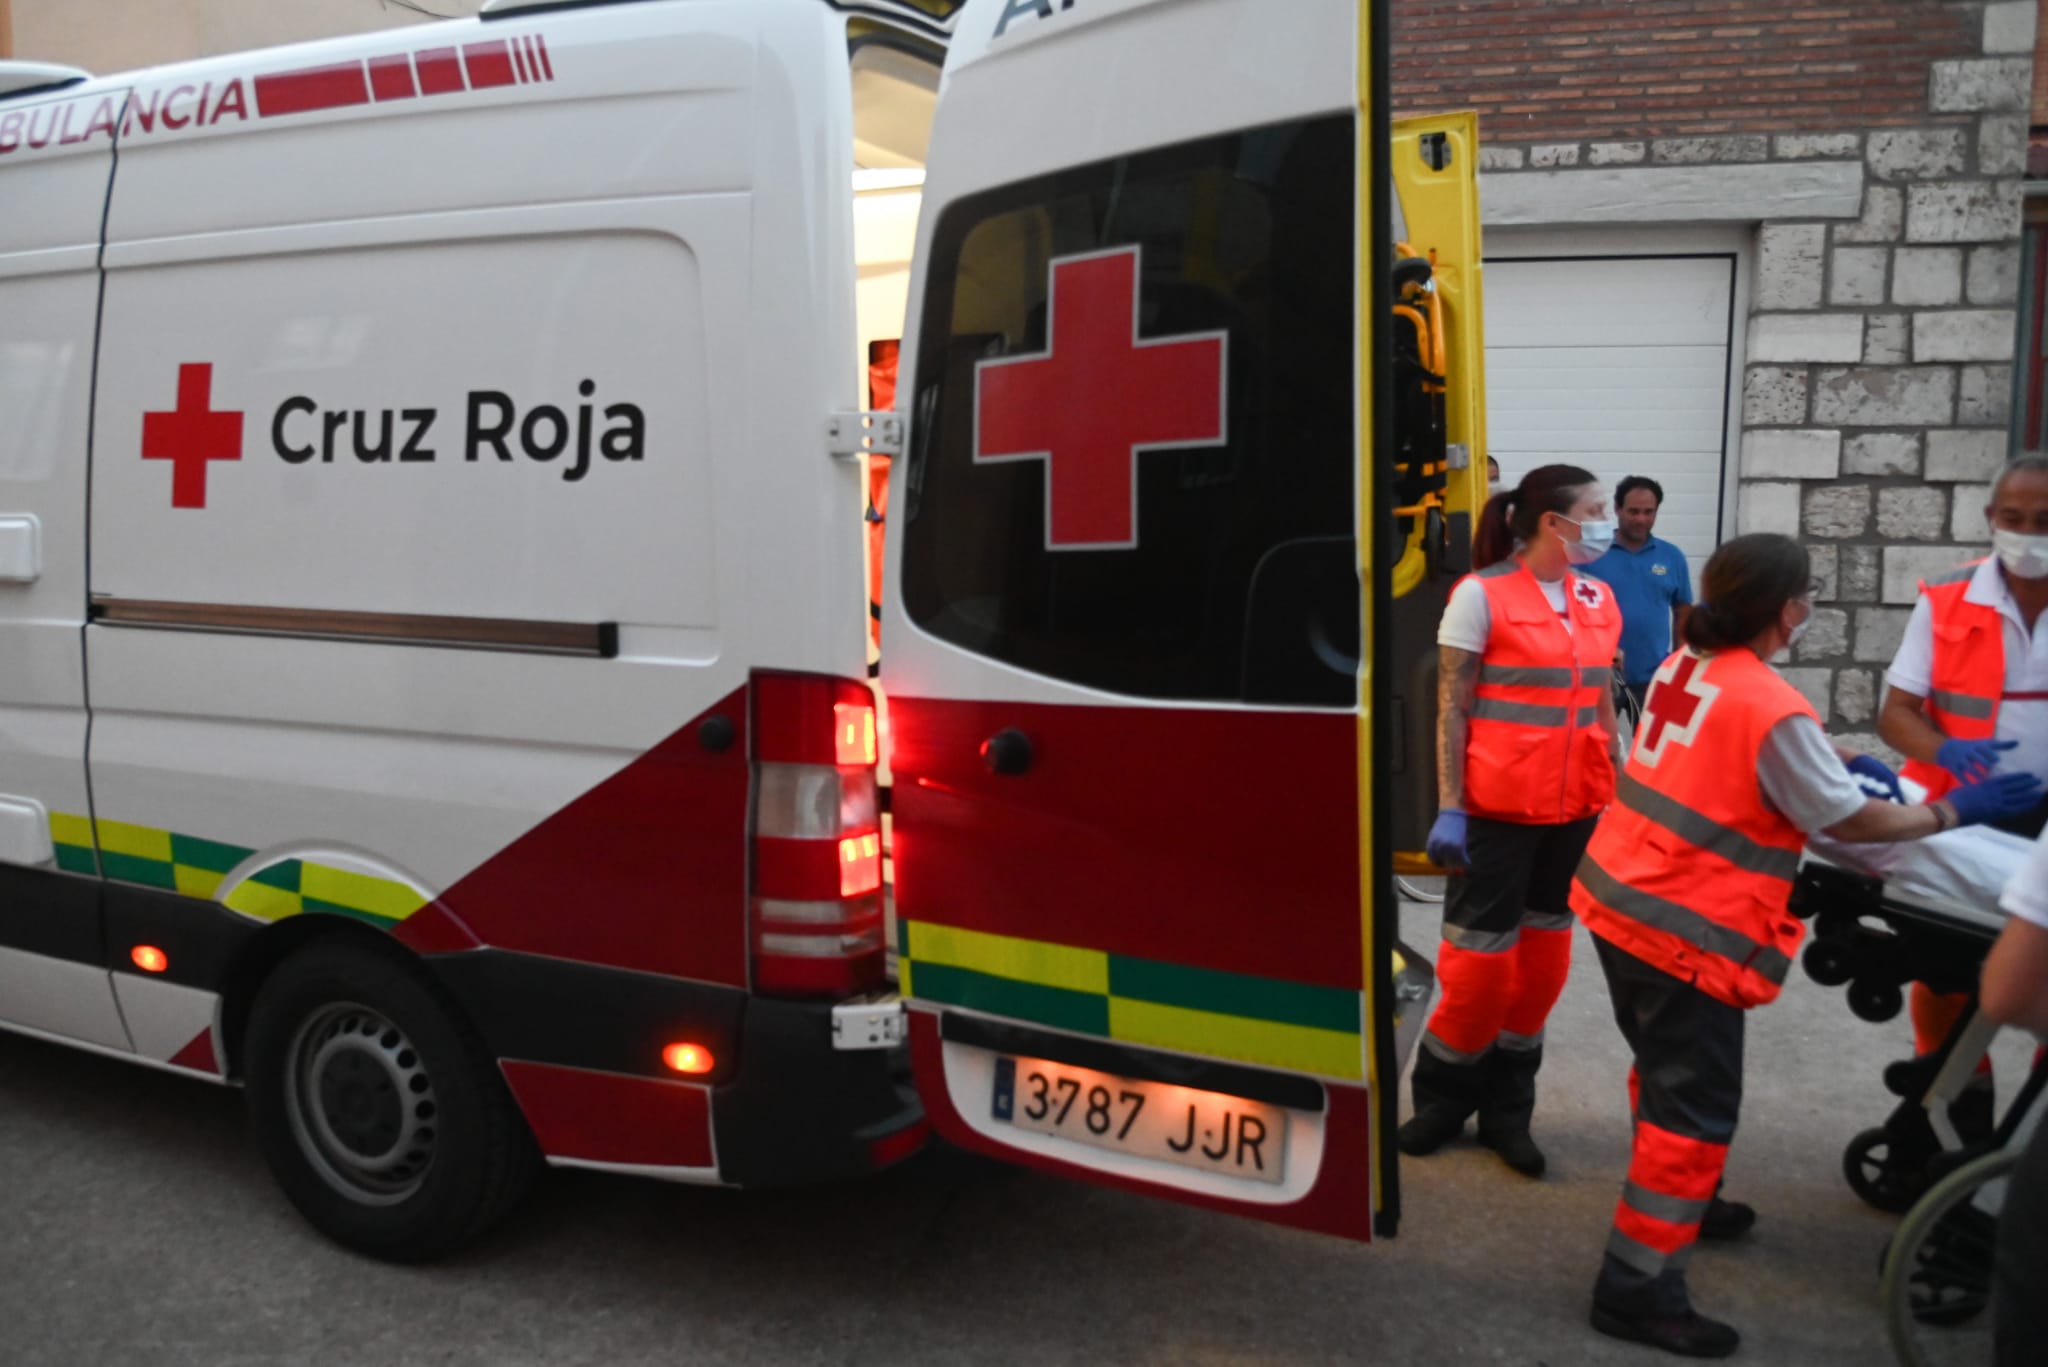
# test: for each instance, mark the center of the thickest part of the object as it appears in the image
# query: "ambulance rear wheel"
(377, 1108)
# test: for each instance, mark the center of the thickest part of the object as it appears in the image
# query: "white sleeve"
(1804, 778)
(2026, 896)
(1913, 667)
(1468, 621)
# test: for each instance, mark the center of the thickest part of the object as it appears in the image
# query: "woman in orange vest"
(1526, 757)
(1685, 888)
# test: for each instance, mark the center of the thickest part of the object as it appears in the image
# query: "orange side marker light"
(687, 1058)
(149, 958)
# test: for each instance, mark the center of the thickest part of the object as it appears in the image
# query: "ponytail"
(1744, 588)
(1518, 512)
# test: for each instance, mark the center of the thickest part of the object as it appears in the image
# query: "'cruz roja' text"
(493, 426)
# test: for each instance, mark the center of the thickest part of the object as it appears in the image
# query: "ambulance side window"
(1241, 584)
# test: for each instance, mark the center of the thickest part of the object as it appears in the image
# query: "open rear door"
(1145, 915)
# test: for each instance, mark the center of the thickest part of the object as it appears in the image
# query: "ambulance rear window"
(1232, 577)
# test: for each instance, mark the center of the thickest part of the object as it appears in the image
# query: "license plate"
(1211, 1131)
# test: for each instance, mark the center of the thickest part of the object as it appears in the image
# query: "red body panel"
(612, 1118)
(1163, 833)
(647, 871)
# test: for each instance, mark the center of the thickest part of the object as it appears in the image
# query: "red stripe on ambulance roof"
(440, 72)
(313, 87)
(547, 67)
(391, 77)
(489, 64)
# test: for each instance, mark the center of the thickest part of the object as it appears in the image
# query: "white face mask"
(1792, 636)
(2022, 554)
(1492, 488)
(1596, 537)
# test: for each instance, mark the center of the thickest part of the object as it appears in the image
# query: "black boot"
(1429, 1130)
(1726, 1219)
(1510, 1102)
(1446, 1095)
(1687, 1333)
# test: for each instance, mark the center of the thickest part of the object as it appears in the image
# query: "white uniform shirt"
(1803, 778)
(2026, 896)
(2023, 718)
(1468, 617)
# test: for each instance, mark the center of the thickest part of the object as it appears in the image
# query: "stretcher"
(1885, 916)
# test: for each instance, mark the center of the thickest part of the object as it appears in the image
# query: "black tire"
(1879, 1170)
(378, 1109)
(1937, 1284)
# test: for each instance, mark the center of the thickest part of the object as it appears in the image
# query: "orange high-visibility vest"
(1691, 869)
(1968, 676)
(1535, 752)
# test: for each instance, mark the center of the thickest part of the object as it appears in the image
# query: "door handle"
(1008, 751)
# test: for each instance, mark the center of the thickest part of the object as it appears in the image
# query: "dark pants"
(1685, 1091)
(2022, 1275)
(1506, 952)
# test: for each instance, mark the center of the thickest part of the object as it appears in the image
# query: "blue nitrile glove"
(1995, 798)
(1970, 760)
(1876, 779)
(1446, 843)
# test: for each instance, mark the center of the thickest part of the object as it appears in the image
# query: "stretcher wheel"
(1878, 1172)
(1828, 963)
(1876, 1001)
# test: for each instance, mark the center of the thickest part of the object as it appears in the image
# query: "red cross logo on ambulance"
(192, 435)
(1679, 701)
(1096, 397)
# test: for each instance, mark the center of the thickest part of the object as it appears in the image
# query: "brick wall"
(1580, 70)
(1876, 390)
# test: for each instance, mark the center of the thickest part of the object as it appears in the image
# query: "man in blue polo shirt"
(1651, 582)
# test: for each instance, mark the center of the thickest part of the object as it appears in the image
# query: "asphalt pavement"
(138, 1225)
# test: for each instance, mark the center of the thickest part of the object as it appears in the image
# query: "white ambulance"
(433, 657)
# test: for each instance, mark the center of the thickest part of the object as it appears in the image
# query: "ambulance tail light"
(816, 899)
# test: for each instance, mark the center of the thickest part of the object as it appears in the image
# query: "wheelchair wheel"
(1937, 1282)
(1416, 893)
(1878, 1170)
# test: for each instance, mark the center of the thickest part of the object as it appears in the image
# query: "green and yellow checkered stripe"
(196, 868)
(1268, 1021)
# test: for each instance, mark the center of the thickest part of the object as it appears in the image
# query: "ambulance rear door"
(1144, 910)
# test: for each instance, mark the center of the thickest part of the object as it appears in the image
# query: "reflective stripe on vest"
(1699, 829)
(1966, 674)
(1535, 751)
(1692, 869)
(1687, 924)
(1965, 704)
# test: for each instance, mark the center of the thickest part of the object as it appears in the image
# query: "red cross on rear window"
(1679, 701)
(191, 435)
(1097, 396)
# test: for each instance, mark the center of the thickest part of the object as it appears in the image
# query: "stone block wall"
(1875, 399)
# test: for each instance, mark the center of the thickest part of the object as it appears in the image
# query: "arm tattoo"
(1457, 683)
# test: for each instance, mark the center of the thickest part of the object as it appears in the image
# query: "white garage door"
(1619, 364)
